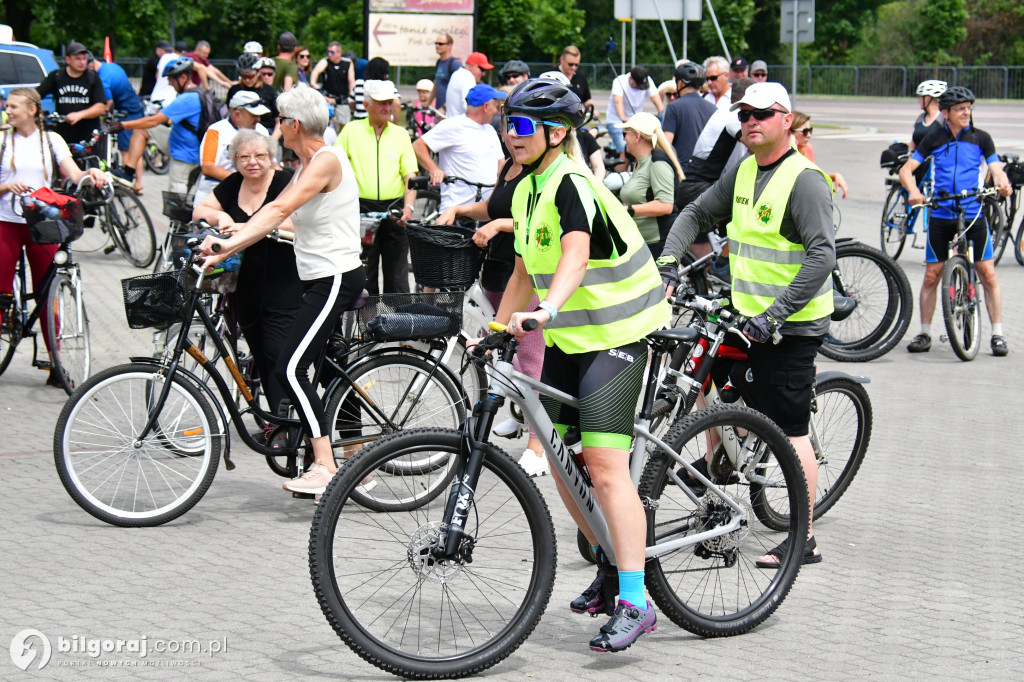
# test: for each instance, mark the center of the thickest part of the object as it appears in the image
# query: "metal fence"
(987, 82)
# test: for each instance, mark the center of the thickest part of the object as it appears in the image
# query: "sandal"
(780, 550)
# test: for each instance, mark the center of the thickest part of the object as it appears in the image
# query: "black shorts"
(941, 232)
(607, 383)
(783, 376)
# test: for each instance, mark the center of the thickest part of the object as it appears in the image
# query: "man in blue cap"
(467, 147)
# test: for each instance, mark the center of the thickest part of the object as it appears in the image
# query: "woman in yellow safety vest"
(600, 295)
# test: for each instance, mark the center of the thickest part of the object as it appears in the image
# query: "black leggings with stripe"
(323, 302)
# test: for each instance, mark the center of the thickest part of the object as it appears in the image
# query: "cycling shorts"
(941, 232)
(607, 383)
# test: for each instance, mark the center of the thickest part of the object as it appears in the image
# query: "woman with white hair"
(323, 204)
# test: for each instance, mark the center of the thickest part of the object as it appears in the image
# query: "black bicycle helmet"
(547, 100)
(178, 66)
(691, 75)
(246, 62)
(957, 94)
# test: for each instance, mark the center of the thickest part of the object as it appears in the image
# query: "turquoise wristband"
(550, 309)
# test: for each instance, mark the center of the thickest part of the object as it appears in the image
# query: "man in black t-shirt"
(686, 116)
(569, 64)
(78, 95)
(335, 76)
(149, 73)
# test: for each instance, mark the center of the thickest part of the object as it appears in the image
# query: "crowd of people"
(308, 147)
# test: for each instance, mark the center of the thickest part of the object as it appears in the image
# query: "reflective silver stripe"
(613, 313)
(743, 286)
(608, 275)
(768, 255)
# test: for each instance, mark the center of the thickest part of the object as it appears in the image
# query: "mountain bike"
(454, 586)
(899, 218)
(138, 444)
(60, 302)
(112, 213)
(959, 291)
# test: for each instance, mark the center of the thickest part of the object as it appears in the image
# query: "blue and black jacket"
(958, 162)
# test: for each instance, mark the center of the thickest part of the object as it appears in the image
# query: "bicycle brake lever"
(746, 340)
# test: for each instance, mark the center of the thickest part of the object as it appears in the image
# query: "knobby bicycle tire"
(156, 161)
(713, 588)
(995, 215)
(11, 329)
(407, 613)
(885, 305)
(67, 333)
(895, 221)
(131, 485)
(131, 228)
(1018, 250)
(961, 308)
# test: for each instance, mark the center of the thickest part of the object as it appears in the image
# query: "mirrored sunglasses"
(523, 126)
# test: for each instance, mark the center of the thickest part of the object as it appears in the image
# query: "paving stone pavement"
(920, 580)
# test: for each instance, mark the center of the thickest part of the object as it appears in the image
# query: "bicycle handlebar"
(934, 200)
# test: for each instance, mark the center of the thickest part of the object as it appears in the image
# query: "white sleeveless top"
(327, 226)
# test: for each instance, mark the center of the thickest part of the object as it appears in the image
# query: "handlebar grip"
(215, 248)
(529, 325)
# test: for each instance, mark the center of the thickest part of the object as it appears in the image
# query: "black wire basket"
(177, 206)
(157, 300)
(410, 317)
(443, 255)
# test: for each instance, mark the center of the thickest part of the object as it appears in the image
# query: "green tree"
(556, 23)
(735, 19)
(941, 28)
(493, 37)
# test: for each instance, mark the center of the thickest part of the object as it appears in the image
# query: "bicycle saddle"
(674, 335)
(844, 306)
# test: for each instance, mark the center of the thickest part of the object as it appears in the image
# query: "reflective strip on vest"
(611, 314)
(608, 275)
(763, 262)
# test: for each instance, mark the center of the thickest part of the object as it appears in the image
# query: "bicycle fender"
(226, 453)
(822, 377)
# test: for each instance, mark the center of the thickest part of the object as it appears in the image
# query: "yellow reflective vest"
(621, 299)
(762, 261)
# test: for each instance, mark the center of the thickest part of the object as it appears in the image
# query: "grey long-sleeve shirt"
(807, 221)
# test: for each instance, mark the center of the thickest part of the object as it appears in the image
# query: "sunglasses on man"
(758, 114)
(522, 126)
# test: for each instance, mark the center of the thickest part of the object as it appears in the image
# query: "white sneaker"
(533, 464)
(510, 428)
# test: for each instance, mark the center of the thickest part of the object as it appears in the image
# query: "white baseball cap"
(763, 96)
(250, 101)
(381, 91)
(253, 47)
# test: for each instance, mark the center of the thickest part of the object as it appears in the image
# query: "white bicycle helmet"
(931, 88)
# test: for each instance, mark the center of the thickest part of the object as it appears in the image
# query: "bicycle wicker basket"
(408, 317)
(443, 255)
(157, 300)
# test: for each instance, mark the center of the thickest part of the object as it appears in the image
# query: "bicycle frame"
(22, 295)
(506, 383)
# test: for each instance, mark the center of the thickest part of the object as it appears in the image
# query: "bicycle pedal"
(304, 496)
(42, 364)
(109, 250)
(944, 338)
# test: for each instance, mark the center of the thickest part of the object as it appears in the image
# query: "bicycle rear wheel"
(413, 615)
(714, 588)
(131, 228)
(961, 308)
(156, 161)
(11, 327)
(885, 304)
(67, 332)
(1018, 249)
(995, 215)
(895, 219)
(842, 419)
(128, 483)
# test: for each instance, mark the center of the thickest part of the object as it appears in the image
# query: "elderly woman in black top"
(269, 291)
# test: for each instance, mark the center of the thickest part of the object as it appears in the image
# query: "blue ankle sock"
(631, 588)
(597, 549)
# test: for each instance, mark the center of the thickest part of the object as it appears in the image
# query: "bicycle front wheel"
(131, 228)
(895, 219)
(842, 421)
(961, 308)
(407, 612)
(156, 161)
(885, 304)
(714, 588)
(67, 332)
(124, 481)
(1018, 248)
(995, 215)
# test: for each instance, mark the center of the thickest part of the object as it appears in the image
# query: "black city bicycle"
(138, 444)
(60, 302)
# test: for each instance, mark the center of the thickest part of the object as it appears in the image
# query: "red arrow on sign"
(378, 32)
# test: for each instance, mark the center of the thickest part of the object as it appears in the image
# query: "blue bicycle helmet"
(178, 66)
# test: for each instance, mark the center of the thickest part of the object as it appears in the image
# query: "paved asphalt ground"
(921, 577)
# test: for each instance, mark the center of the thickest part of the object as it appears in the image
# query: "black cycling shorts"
(607, 383)
(783, 376)
(941, 232)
